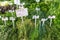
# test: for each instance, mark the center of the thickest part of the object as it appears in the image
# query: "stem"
(12, 14)
(13, 23)
(50, 22)
(43, 23)
(35, 22)
(22, 19)
(5, 23)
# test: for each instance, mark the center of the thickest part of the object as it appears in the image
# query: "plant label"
(5, 18)
(12, 18)
(35, 17)
(17, 2)
(22, 12)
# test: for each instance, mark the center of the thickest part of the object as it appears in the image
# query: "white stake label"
(51, 17)
(11, 11)
(35, 17)
(17, 2)
(4, 19)
(22, 12)
(43, 21)
(12, 18)
(37, 1)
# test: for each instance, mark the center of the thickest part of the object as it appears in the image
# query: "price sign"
(17, 2)
(22, 12)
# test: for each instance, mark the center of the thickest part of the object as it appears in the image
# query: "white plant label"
(5, 19)
(43, 21)
(35, 17)
(37, 0)
(51, 17)
(17, 2)
(11, 11)
(22, 12)
(11, 18)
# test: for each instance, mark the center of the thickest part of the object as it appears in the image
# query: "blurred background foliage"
(27, 30)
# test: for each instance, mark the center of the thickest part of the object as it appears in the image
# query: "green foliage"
(27, 30)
